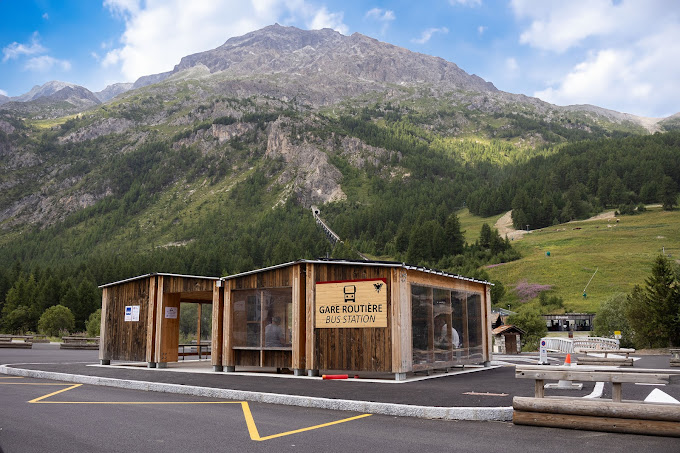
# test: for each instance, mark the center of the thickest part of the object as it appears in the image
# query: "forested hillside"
(584, 178)
(212, 169)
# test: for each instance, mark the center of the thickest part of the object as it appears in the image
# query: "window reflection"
(262, 318)
(447, 325)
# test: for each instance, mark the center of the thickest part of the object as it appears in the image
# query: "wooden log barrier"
(591, 423)
(16, 345)
(613, 361)
(78, 342)
(599, 408)
(615, 415)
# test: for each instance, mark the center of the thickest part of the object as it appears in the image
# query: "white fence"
(567, 345)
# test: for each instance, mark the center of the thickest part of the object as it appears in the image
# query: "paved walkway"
(472, 393)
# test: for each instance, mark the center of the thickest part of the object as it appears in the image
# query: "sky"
(619, 54)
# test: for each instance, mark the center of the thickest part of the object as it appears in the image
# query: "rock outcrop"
(308, 173)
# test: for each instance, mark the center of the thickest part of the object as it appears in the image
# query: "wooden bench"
(202, 349)
(675, 359)
(22, 341)
(614, 361)
(77, 342)
(610, 415)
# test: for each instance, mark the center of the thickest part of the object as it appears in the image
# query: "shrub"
(611, 317)
(56, 320)
(94, 323)
(531, 322)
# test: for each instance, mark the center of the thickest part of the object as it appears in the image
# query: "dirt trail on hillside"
(505, 228)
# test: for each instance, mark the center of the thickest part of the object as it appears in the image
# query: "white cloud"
(158, 33)
(3, 92)
(381, 15)
(624, 55)
(511, 65)
(325, 19)
(46, 16)
(427, 34)
(481, 29)
(640, 79)
(45, 63)
(15, 50)
(559, 26)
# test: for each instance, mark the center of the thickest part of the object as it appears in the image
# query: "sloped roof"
(507, 329)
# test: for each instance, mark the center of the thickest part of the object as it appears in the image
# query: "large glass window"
(421, 323)
(262, 318)
(446, 326)
(475, 328)
(458, 318)
(442, 325)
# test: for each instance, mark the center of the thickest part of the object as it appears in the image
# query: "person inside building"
(273, 333)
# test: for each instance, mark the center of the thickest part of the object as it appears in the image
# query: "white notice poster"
(170, 312)
(135, 313)
(131, 313)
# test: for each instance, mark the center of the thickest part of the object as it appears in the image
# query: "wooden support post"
(159, 318)
(539, 389)
(487, 341)
(216, 336)
(228, 358)
(151, 321)
(310, 343)
(103, 357)
(395, 325)
(198, 327)
(616, 392)
(299, 318)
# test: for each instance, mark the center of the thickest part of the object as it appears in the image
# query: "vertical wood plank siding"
(368, 349)
(125, 340)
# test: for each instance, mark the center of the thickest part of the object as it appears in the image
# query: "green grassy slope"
(472, 224)
(621, 252)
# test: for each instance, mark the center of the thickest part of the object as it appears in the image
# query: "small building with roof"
(308, 316)
(507, 339)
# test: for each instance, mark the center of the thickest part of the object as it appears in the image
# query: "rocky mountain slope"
(309, 117)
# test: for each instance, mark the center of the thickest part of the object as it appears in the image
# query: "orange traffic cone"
(564, 384)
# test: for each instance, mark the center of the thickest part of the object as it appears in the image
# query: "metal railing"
(567, 345)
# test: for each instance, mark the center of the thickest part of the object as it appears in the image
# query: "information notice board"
(351, 303)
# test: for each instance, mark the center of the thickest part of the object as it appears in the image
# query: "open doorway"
(195, 330)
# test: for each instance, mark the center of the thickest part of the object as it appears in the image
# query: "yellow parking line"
(254, 434)
(247, 414)
(55, 393)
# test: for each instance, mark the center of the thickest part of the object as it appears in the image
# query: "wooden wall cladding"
(367, 349)
(176, 284)
(275, 278)
(277, 359)
(246, 357)
(125, 340)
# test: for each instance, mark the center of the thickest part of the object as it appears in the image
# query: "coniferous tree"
(455, 238)
(653, 311)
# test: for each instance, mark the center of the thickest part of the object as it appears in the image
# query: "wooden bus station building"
(307, 316)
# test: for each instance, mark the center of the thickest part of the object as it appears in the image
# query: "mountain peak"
(43, 90)
(330, 58)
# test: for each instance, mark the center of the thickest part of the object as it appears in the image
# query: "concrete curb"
(369, 407)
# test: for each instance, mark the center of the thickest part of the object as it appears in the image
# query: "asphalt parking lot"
(41, 415)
